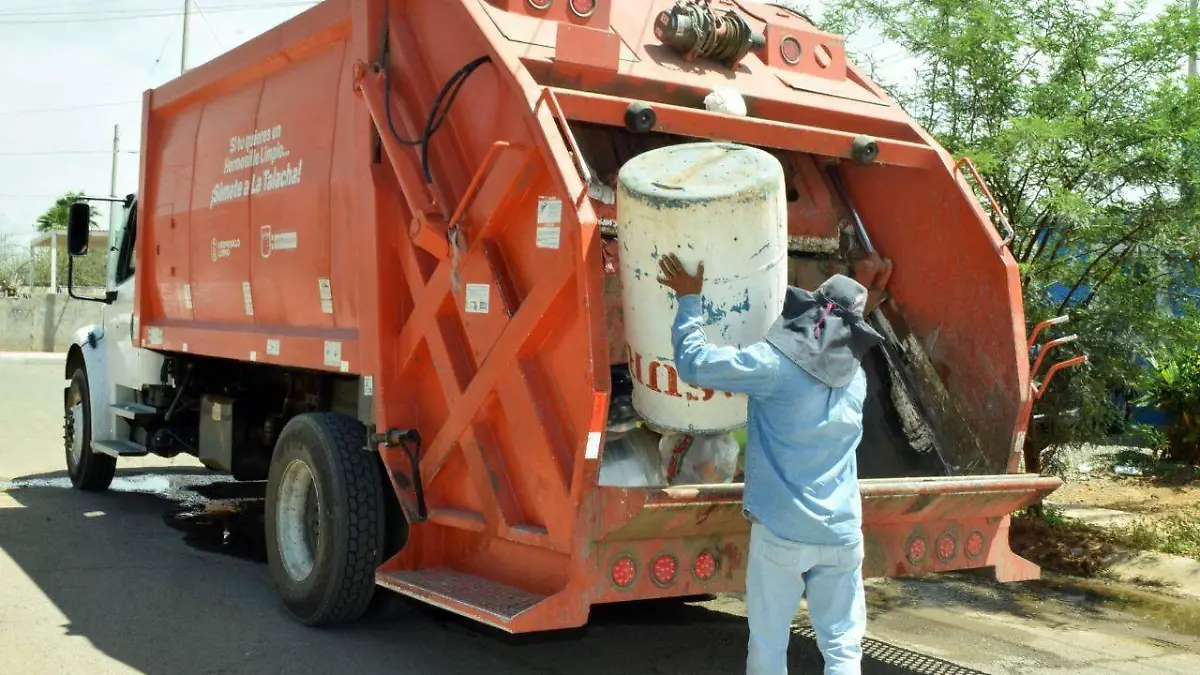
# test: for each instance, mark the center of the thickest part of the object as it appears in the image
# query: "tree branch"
(1092, 265)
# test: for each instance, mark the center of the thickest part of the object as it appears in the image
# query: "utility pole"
(113, 213)
(183, 49)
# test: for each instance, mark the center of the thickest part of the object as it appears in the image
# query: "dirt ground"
(1158, 510)
(1148, 496)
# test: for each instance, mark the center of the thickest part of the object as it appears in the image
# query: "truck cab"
(106, 373)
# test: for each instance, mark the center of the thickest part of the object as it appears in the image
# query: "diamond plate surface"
(461, 593)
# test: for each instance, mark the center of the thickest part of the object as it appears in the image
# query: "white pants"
(779, 574)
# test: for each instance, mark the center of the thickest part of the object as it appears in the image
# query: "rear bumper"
(693, 540)
(911, 526)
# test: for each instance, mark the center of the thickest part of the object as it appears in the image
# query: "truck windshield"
(123, 239)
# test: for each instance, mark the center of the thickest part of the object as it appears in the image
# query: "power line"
(92, 10)
(206, 23)
(30, 111)
(37, 8)
(117, 15)
(31, 195)
(33, 153)
(161, 52)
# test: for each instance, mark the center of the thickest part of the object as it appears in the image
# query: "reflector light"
(583, 8)
(974, 546)
(664, 569)
(624, 572)
(916, 550)
(705, 566)
(540, 4)
(789, 49)
(946, 547)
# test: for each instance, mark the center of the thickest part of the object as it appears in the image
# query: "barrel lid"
(678, 175)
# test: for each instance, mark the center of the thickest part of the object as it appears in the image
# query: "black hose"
(187, 379)
(434, 121)
(413, 452)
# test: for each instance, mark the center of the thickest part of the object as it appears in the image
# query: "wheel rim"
(74, 426)
(297, 519)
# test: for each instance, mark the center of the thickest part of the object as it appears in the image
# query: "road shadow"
(135, 590)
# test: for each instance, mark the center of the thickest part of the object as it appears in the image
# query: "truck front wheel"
(88, 470)
(324, 519)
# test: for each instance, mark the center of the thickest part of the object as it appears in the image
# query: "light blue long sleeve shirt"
(801, 468)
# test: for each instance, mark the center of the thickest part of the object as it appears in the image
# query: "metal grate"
(457, 591)
(904, 660)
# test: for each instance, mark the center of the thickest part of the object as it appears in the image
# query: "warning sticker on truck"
(549, 211)
(549, 236)
(333, 354)
(326, 293)
(477, 298)
(247, 298)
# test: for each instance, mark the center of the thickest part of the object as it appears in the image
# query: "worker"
(806, 387)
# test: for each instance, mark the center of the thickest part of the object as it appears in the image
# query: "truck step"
(465, 594)
(133, 410)
(119, 448)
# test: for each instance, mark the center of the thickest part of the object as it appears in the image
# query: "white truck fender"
(86, 343)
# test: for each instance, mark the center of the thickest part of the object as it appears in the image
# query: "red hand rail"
(1010, 233)
(1037, 393)
(1046, 348)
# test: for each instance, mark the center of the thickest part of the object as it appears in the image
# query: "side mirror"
(79, 224)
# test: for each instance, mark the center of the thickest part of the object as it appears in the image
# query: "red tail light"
(583, 8)
(624, 572)
(916, 550)
(664, 569)
(705, 566)
(947, 546)
(974, 546)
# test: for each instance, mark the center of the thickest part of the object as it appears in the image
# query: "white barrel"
(720, 203)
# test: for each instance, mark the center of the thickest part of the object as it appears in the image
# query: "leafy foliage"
(1078, 116)
(15, 263)
(55, 217)
(1174, 386)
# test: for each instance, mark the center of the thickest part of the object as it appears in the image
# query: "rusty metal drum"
(720, 203)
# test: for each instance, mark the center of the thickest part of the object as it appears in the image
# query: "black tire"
(88, 470)
(343, 537)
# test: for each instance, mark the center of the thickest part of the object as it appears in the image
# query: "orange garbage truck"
(380, 257)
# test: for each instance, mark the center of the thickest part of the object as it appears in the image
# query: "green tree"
(55, 217)
(1078, 116)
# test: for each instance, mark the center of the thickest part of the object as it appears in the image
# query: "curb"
(31, 357)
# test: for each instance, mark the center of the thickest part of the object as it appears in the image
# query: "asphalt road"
(155, 578)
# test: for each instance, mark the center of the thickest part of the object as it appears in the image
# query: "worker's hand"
(677, 279)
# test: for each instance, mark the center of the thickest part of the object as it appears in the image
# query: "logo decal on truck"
(269, 243)
(224, 248)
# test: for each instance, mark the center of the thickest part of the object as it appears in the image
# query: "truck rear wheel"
(324, 519)
(87, 469)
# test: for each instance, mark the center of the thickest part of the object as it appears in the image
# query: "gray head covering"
(824, 332)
